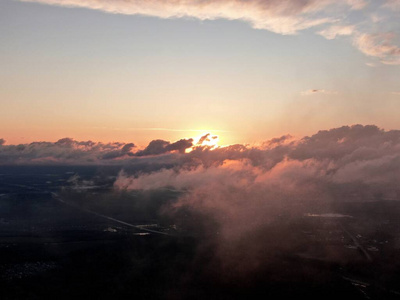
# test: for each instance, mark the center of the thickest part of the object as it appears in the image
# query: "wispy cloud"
(330, 17)
(332, 32)
(372, 65)
(380, 46)
(160, 129)
(173, 129)
(285, 17)
(392, 4)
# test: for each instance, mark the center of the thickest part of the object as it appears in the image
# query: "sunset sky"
(247, 71)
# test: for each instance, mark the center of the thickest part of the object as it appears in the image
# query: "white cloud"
(372, 65)
(380, 46)
(332, 32)
(280, 16)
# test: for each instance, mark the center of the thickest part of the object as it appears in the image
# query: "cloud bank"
(243, 188)
(236, 193)
(70, 151)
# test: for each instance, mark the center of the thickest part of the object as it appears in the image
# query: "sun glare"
(204, 140)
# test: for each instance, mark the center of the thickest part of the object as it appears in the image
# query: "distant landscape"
(51, 248)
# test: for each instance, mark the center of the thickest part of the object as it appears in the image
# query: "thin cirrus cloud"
(393, 4)
(379, 45)
(332, 32)
(332, 18)
(284, 17)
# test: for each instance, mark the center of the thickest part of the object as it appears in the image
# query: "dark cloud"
(278, 141)
(203, 138)
(127, 147)
(124, 151)
(64, 151)
(180, 145)
(318, 91)
(157, 147)
(70, 151)
(333, 150)
(68, 142)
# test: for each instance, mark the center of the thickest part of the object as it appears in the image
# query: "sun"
(205, 140)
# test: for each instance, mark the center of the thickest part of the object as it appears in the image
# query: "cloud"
(380, 46)
(331, 18)
(278, 141)
(125, 150)
(157, 147)
(332, 32)
(285, 17)
(372, 65)
(70, 151)
(244, 188)
(376, 18)
(240, 190)
(318, 91)
(203, 139)
(392, 4)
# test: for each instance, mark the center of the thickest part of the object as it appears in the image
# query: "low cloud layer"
(157, 147)
(243, 188)
(235, 193)
(70, 151)
(363, 154)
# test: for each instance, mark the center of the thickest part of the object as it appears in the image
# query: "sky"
(135, 71)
